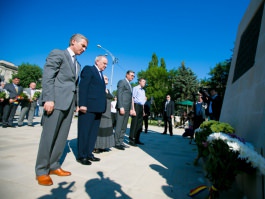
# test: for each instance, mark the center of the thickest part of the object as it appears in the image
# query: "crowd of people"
(102, 117)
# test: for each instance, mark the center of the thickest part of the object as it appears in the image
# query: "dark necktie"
(75, 65)
(101, 74)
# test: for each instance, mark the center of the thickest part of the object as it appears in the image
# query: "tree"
(184, 84)
(157, 84)
(163, 63)
(219, 76)
(154, 61)
(29, 73)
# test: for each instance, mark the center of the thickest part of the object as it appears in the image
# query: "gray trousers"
(30, 109)
(53, 139)
(121, 126)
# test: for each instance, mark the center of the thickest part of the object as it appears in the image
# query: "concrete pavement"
(161, 168)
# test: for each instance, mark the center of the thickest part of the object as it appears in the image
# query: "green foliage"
(29, 73)
(222, 127)
(223, 165)
(153, 62)
(207, 128)
(185, 83)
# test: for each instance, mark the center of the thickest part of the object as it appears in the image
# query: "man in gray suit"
(28, 106)
(124, 104)
(59, 95)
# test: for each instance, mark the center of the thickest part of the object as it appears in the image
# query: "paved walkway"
(161, 168)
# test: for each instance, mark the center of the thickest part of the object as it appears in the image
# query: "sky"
(199, 33)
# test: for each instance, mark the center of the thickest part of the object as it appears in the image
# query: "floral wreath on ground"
(226, 155)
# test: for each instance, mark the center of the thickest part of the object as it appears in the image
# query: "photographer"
(214, 103)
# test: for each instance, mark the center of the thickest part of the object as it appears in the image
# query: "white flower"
(246, 150)
(26, 94)
(7, 93)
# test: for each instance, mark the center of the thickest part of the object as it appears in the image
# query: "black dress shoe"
(94, 159)
(96, 151)
(19, 125)
(119, 147)
(11, 126)
(84, 161)
(132, 143)
(31, 125)
(138, 142)
(164, 133)
(4, 126)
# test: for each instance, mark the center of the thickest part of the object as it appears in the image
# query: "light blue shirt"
(139, 95)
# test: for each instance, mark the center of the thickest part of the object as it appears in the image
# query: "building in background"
(7, 69)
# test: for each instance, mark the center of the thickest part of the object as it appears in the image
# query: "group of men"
(9, 105)
(63, 93)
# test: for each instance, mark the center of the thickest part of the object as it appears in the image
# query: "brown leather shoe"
(60, 172)
(44, 180)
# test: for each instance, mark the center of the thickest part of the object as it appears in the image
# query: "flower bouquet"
(201, 134)
(36, 95)
(4, 94)
(23, 96)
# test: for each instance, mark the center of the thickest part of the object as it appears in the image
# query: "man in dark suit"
(59, 94)
(92, 103)
(168, 114)
(214, 105)
(124, 104)
(28, 106)
(10, 105)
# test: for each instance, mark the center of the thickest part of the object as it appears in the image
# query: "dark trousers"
(114, 119)
(136, 123)
(145, 118)
(88, 125)
(9, 111)
(167, 121)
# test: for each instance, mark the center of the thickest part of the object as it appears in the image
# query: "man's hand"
(49, 107)
(132, 112)
(83, 109)
(122, 111)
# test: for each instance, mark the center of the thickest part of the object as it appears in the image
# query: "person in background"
(59, 94)
(28, 106)
(214, 103)
(92, 103)
(114, 112)
(10, 105)
(124, 105)
(146, 114)
(139, 99)
(2, 85)
(168, 114)
(199, 110)
(105, 138)
(36, 112)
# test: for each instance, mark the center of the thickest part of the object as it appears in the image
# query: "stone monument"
(244, 101)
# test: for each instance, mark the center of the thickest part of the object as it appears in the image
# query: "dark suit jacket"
(59, 83)
(92, 90)
(12, 91)
(124, 95)
(170, 108)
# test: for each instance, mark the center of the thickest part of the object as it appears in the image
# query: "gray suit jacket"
(59, 82)
(124, 95)
(12, 91)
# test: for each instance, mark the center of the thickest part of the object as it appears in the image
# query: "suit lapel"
(70, 61)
